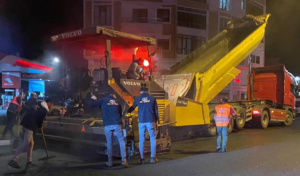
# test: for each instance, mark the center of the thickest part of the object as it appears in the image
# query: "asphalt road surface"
(273, 151)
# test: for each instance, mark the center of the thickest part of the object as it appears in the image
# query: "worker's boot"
(142, 161)
(125, 163)
(224, 150)
(30, 164)
(153, 160)
(14, 164)
(109, 163)
(218, 150)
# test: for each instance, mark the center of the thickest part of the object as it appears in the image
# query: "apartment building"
(179, 26)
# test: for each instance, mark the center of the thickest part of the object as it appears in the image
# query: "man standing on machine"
(148, 119)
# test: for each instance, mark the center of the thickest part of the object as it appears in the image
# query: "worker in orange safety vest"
(12, 112)
(223, 121)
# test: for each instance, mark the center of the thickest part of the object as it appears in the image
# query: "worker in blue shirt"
(112, 120)
(148, 119)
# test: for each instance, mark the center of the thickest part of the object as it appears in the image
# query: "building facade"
(179, 26)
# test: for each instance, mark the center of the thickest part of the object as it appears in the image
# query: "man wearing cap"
(35, 114)
(148, 119)
(223, 120)
(111, 112)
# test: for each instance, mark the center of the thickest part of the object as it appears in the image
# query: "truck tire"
(230, 129)
(240, 121)
(289, 119)
(211, 129)
(263, 120)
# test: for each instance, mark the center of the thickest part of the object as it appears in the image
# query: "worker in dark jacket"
(12, 112)
(148, 119)
(34, 116)
(112, 120)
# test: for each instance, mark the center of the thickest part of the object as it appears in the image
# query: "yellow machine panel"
(188, 112)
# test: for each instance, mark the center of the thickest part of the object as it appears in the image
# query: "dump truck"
(184, 95)
(198, 78)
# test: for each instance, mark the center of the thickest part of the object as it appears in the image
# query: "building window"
(223, 23)
(191, 18)
(255, 59)
(254, 9)
(103, 15)
(163, 15)
(243, 4)
(244, 96)
(225, 5)
(187, 44)
(140, 15)
(164, 44)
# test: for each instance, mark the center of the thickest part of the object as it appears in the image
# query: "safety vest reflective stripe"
(222, 115)
(221, 118)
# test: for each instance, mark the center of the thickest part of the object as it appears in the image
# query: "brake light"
(255, 112)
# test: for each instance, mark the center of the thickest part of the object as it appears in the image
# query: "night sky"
(26, 25)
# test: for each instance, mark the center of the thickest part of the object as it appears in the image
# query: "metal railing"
(191, 25)
(204, 1)
(142, 20)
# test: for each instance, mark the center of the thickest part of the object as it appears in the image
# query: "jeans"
(109, 132)
(11, 118)
(151, 127)
(222, 132)
(26, 145)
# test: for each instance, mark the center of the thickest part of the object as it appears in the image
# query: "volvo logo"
(71, 34)
(131, 83)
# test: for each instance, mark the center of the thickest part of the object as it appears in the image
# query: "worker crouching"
(223, 121)
(112, 120)
(148, 119)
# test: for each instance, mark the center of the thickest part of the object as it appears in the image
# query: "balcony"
(142, 20)
(191, 25)
(204, 1)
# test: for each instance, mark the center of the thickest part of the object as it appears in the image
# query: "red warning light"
(146, 63)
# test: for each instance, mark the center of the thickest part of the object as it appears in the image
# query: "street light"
(56, 60)
(297, 78)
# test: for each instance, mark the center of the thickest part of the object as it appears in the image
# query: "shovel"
(17, 139)
(46, 148)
